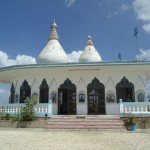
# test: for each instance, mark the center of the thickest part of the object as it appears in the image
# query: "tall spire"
(53, 49)
(53, 34)
(89, 42)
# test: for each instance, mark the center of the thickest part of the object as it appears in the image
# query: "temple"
(87, 87)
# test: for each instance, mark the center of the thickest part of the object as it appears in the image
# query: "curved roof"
(53, 51)
(90, 54)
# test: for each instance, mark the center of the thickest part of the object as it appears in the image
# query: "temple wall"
(81, 78)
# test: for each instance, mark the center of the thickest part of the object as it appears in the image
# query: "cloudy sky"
(25, 28)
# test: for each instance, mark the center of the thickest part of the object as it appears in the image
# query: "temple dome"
(89, 53)
(53, 51)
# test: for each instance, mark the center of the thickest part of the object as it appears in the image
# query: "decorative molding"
(53, 82)
(81, 80)
(140, 79)
(35, 80)
(110, 79)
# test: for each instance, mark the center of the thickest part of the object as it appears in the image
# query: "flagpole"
(135, 34)
(137, 47)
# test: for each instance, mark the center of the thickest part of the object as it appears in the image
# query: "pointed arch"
(125, 90)
(67, 84)
(35, 81)
(96, 97)
(25, 91)
(44, 90)
(81, 84)
(95, 84)
(53, 85)
(67, 98)
(12, 93)
(139, 82)
(110, 82)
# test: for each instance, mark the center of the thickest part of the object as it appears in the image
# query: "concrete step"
(83, 127)
(85, 122)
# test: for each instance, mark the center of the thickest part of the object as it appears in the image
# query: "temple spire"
(53, 35)
(89, 42)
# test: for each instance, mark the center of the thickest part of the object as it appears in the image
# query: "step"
(84, 127)
(85, 122)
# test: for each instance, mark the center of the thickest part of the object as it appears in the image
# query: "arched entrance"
(125, 91)
(96, 97)
(67, 98)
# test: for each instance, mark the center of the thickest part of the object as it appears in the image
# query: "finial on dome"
(53, 34)
(89, 42)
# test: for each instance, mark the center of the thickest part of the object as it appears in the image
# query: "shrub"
(27, 112)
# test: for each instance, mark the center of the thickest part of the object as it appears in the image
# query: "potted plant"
(130, 123)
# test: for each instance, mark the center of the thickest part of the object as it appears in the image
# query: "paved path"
(44, 139)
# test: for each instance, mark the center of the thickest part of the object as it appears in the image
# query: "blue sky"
(25, 28)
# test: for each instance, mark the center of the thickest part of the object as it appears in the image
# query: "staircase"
(85, 122)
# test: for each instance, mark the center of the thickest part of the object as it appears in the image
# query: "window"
(44, 90)
(12, 95)
(125, 91)
(25, 91)
(140, 97)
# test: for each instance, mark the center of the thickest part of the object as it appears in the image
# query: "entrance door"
(63, 101)
(67, 98)
(96, 98)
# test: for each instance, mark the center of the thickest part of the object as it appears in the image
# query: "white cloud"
(20, 60)
(144, 54)
(125, 7)
(142, 9)
(74, 56)
(24, 59)
(146, 27)
(4, 96)
(69, 3)
(115, 13)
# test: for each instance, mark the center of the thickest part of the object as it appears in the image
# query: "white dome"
(89, 54)
(53, 51)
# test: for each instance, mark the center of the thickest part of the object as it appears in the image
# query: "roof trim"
(74, 64)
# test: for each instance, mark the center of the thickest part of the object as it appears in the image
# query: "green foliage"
(130, 120)
(27, 112)
(7, 116)
(16, 117)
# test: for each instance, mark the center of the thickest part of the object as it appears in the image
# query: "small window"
(140, 97)
(53, 97)
(81, 98)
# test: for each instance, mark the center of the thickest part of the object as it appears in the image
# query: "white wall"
(81, 77)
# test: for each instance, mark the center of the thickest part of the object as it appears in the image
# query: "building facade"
(89, 86)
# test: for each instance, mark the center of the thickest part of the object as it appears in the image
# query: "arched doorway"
(67, 98)
(96, 97)
(125, 91)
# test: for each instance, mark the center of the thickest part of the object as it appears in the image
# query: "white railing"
(40, 109)
(134, 108)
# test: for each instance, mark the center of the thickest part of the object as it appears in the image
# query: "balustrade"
(40, 109)
(134, 108)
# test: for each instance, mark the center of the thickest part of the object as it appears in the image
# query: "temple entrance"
(96, 98)
(67, 98)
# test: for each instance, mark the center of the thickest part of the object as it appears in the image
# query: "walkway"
(45, 139)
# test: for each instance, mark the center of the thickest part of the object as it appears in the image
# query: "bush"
(27, 112)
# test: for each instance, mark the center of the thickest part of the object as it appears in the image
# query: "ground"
(45, 139)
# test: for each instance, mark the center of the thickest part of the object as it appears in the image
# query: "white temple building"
(88, 87)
